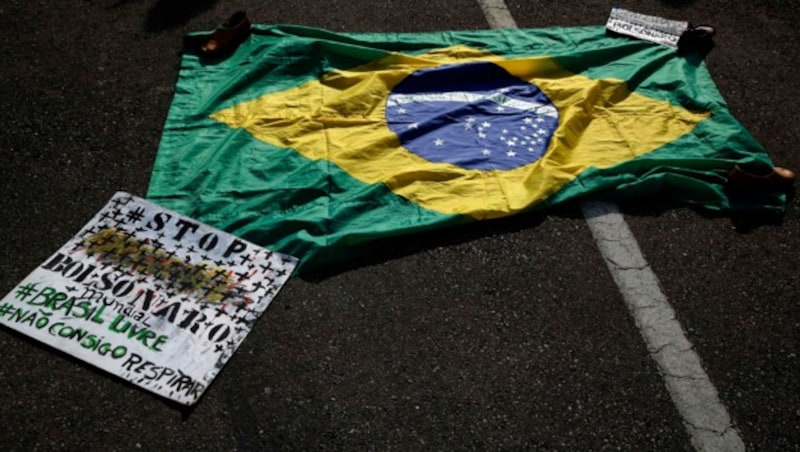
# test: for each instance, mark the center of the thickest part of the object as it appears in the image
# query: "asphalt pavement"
(507, 334)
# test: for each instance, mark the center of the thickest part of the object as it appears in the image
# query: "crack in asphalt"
(626, 267)
(706, 419)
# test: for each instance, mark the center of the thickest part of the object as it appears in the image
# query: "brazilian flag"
(314, 143)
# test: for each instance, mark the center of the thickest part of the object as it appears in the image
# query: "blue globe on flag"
(473, 115)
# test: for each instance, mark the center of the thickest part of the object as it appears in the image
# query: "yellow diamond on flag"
(462, 131)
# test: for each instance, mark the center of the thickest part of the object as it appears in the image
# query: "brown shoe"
(778, 179)
(227, 37)
(697, 39)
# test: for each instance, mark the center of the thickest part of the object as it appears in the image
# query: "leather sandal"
(228, 36)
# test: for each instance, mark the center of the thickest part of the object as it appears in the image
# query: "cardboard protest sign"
(149, 295)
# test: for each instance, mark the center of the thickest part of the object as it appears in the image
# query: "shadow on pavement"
(678, 3)
(743, 222)
(167, 14)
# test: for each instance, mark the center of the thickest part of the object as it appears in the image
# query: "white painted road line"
(705, 417)
(497, 14)
(692, 392)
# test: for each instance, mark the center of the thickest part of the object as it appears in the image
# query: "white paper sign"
(650, 28)
(152, 296)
